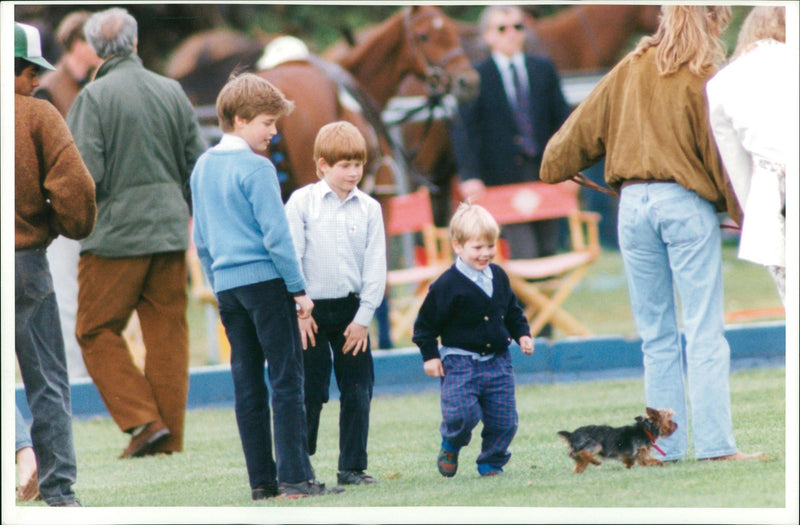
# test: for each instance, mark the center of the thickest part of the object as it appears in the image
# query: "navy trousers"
(261, 323)
(355, 378)
(475, 391)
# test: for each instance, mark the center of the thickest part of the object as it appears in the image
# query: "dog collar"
(653, 441)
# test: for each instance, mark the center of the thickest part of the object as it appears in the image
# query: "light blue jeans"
(22, 437)
(43, 365)
(670, 241)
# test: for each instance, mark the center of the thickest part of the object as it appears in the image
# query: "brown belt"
(629, 182)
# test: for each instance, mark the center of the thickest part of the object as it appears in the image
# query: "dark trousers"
(261, 323)
(355, 378)
(43, 365)
(529, 240)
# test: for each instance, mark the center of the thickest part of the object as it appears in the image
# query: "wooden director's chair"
(544, 283)
(411, 215)
(219, 346)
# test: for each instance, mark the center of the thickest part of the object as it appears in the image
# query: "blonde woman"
(649, 118)
(749, 107)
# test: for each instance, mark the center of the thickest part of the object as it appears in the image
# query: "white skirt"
(763, 237)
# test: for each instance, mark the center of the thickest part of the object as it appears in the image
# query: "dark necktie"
(522, 114)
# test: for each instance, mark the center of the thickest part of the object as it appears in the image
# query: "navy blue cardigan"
(458, 311)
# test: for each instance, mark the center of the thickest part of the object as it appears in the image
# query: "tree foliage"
(163, 26)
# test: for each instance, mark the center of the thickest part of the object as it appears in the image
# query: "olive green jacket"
(139, 137)
(648, 127)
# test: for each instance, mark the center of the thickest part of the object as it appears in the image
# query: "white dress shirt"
(503, 62)
(231, 142)
(340, 245)
(749, 108)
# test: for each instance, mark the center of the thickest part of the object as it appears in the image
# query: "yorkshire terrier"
(630, 444)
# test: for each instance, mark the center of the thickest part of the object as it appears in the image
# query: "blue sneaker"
(447, 462)
(486, 470)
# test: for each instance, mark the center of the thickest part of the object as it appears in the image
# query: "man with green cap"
(54, 194)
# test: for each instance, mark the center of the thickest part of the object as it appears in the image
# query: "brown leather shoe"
(30, 490)
(739, 456)
(141, 441)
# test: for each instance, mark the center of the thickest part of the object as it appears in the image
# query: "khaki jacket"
(648, 127)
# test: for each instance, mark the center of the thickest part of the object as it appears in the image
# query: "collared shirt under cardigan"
(483, 279)
(341, 245)
(459, 312)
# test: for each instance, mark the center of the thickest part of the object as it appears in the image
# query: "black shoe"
(73, 503)
(354, 477)
(306, 488)
(269, 490)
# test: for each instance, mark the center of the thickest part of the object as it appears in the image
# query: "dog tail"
(566, 435)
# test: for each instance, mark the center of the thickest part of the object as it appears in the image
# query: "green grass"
(404, 441)
(747, 286)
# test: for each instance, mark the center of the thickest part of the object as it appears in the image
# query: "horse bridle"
(435, 75)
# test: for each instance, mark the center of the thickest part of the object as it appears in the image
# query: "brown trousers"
(109, 291)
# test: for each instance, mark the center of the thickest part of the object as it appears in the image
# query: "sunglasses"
(502, 28)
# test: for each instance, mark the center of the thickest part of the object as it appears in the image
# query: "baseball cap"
(28, 45)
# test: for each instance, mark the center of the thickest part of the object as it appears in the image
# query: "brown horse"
(202, 62)
(587, 37)
(578, 38)
(417, 41)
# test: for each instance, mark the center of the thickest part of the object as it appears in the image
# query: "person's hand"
(472, 189)
(308, 327)
(304, 306)
(355, 338)
(433, 367)
(526, 344)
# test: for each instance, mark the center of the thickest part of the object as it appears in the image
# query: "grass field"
(404, 441)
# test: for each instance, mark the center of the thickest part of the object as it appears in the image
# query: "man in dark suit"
(499, 137)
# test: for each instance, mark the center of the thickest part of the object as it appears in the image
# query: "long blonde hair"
(761, 23)
(688, 34)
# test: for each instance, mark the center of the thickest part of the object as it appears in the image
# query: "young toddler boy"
(339, 238)
(472, 308)
(243, 241)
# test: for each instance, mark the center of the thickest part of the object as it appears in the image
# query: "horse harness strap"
(581, 179)
(342, 78)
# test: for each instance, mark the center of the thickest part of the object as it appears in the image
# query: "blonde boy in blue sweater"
(243, 241)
